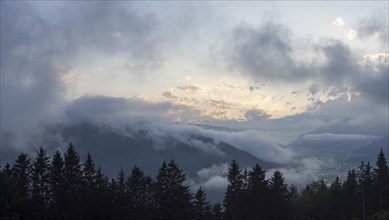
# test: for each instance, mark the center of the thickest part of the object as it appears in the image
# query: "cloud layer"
(270, 53)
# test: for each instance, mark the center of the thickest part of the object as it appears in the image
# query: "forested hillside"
(61, 187)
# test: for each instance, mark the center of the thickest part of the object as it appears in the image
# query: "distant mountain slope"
(369, 152)
(311, 144)
(113, 150)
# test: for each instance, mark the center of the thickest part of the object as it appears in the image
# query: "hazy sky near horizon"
(210, 62)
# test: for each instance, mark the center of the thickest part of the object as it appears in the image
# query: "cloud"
(216, 183)
(264, 53)
(375, 26)
(304, 170)
(340, 116)
(190, 88)
(352, 34)
(220, 104)
(214, 177)
(252, 88)
(257, 144)
(313, 89)
(373, 78)
(105, 109)
(256, 115)
(214, 170)
(337, 137)
(170, 95)
(269, 53)
(41, 46)
(163, 120)
(338, 21)
(188, 78)
(336, 116)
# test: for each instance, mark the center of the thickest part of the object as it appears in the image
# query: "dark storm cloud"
(105, 109)
(42, 41)
(267, 53)
(256, 115)
(313, 89)
(113, 27)
(375, 24)
(340, 66)
(30, 83)
(264, 53)
(374, 82)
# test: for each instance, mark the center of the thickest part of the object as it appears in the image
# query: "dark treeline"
(61, 187)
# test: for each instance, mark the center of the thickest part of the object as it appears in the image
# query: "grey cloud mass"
(39, 46)
(264, 53)
(267, 53)
(104, 109)
(169, 95)
(256, 115)
(157, 121)
(374, 27)
(335, 137)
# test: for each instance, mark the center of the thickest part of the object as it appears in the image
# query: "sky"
(272, 70)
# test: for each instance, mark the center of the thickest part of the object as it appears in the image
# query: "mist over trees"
(62, 187)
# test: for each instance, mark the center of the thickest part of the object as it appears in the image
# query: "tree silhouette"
(21, 177)
(365, 181)
(172, 196)
(40, 184)
(335, 198)
(278, 196)
(56, 185)
(233, 196)
(381, 181)
(7, 194)
(202, 208)
(65, 189)
(121, 200)
(139, 190)
(72, 183)
(89, 196)
(256, 197)
(350, 187)
(217, 213)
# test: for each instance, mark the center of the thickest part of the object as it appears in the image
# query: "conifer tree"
(217, 213)
(89, 198)
(320, 200)
(350, 187)
(7, 194)
(172, 196)
(111, 197)
(257, 194)
(56, 185)
(382, 181)
(202, 208)
(233, 196)
(40, 184)
(21, 177)
(121, 202)
(365, 180)
(103, 196)
(72, 183)
(278, 196)
(139, 190)
(335, 192)
(295, 205)
(89, 173)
